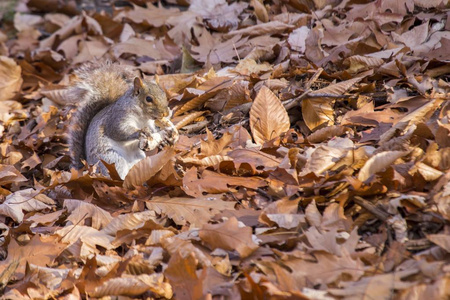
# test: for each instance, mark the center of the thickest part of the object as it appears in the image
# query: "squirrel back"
(98, 86)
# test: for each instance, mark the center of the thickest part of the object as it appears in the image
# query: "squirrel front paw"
(171, 136)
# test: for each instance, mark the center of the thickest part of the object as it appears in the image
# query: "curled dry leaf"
(379, 162)
(229, 236)
(147, 168)
(268, 117)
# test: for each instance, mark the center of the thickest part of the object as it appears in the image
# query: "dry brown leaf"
(130, 285)
(229, 236)
(145, 169)
(378, 286)
(273, 27)
(196, 212)
(215, 183)
(379, 162)
(128, 222)
(317, 111)
(333, 266)
(260, 11)
(84, 240)
(188, 119)
(358, 63)
(25, 200)
(10, 78)
(410, 119)
(39, 251)
(181, 273)
(322, 159)
(209, 161)
(268, 117)
(442, 240)
(341, 87)
(9, 174)
(326, 133)
(80, 210)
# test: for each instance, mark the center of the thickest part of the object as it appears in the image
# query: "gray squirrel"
(119, 117)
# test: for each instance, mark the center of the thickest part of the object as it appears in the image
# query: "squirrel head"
(152, 99)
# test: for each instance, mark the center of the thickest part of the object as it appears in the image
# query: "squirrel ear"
(137, 85)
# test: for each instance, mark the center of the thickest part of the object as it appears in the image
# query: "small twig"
(291, 103)
(380, 214)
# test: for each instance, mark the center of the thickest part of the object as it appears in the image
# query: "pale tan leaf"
(268, 117)
(317, 111)
(379, 162)
(10, 78)
(147, 168)
(229, 236)
(196, 211)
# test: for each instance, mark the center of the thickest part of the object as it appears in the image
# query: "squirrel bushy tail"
(98, 85)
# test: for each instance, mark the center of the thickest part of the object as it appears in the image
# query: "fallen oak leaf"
(229, 236)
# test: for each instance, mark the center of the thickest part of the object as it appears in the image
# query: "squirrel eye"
(149, 99)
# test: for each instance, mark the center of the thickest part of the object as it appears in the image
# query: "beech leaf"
(268, 117)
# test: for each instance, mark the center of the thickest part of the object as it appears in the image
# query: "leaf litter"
(313, 161)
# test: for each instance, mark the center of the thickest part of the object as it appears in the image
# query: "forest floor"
(313, 162)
